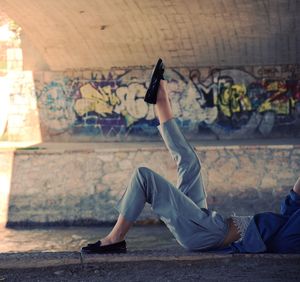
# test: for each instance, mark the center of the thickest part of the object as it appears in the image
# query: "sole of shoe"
(151, 94)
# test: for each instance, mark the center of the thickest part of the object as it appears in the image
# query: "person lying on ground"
(184, 208)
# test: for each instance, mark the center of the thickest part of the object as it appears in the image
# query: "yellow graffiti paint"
(83, 106)
(100, 100)
(89, 92)
(114, 100)
(276, 86)
(234, 99)
(102, 108)
(240, 101)
(224, 101)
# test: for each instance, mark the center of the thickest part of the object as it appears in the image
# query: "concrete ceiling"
(78, 34)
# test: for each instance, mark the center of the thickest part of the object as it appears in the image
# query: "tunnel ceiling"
(78, 34)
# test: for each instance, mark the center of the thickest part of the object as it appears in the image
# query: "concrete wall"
(81, 185)
(84, 73)
(105, 33)
(76, 106)
(229, 103)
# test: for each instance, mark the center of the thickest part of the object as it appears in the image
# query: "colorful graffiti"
(56, 107)
(227, 102)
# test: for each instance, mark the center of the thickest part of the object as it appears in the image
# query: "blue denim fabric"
(271, 232)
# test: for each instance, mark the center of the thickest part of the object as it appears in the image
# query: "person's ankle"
(111, 240)
(162, 94)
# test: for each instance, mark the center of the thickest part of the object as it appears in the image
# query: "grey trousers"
(183, 208)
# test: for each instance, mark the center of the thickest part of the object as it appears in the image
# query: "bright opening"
(19, 119)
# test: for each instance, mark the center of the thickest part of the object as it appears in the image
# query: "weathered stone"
(125, 164)
(296, 152)
(109, 167)
(268, 182)
(215, 179)
(116, 177)
(229, 168)
(121, 155)
(284, 174)
(245, 179)
(211, 156)
(282, 154)
(105, 157)
(131, 155)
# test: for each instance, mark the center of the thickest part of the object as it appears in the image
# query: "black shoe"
(157, 76)
(96, 248)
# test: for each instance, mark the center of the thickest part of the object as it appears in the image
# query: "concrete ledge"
(128, 146)
(52, 259)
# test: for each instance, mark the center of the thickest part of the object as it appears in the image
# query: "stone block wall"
(81, 185)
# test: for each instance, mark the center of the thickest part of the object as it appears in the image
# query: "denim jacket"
(271, 232)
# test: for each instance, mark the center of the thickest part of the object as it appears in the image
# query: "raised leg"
(179, 208)
(189, 178)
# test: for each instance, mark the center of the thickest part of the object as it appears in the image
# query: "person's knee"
(142, 170)
(143, 179)
(142, 173)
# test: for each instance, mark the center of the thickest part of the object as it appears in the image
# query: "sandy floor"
(70, 239)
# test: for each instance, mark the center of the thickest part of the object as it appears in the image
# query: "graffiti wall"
(249, 102)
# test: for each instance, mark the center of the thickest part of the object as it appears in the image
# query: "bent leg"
(193, 228)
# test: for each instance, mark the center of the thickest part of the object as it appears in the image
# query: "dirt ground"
(234, 269)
